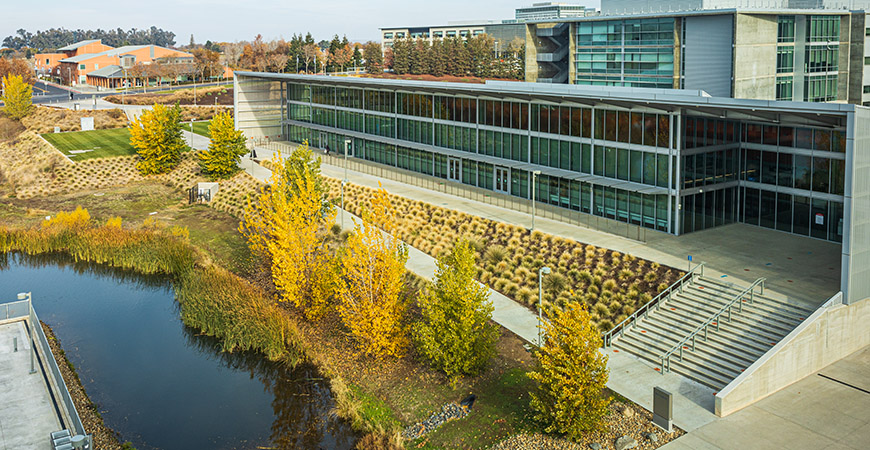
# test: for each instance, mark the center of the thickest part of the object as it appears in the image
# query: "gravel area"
(104, 437)
(625, 419)
(448, 412)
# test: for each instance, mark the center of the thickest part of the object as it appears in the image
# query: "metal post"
(541, 272)
(534, 173)
(343, 183)
(27, 296)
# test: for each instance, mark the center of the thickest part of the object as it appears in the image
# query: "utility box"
(87, 123)
(663, 409)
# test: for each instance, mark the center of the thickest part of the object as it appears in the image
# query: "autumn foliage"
(227, 144)
(369, 289)
(17, 97)
(156, 135)
(570, 374)
(284, 225)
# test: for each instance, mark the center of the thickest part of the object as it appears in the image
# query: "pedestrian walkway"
(693, 403)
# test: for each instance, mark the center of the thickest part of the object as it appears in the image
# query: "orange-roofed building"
(48, 63)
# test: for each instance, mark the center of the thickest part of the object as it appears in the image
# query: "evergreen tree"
(357, 56)
(373, 58)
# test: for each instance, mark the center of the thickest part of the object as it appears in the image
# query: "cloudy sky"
(232, 20)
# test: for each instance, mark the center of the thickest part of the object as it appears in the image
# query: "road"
(46, 93)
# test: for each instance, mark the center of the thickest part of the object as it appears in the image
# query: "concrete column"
(800, 47)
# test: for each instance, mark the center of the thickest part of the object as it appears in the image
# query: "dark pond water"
(157, 382)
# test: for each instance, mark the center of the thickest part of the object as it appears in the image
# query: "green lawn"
(102, 143)
(200, 128)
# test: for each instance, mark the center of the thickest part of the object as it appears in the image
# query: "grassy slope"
(104, 143)
(201, 128)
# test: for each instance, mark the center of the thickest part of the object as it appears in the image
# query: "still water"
(156, 381)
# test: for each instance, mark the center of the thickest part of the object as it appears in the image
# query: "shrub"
(609, 285)
(495, 254)
(156, 135)
(555, 283)
(455, 333)
(17, 97)
(650, 276)
(570, 375)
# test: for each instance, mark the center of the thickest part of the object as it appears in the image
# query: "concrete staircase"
(726, 352)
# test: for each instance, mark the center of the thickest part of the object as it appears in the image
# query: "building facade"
(552, 10)
(726, 48)
(676, 161)
(48, 64)
(503, 33)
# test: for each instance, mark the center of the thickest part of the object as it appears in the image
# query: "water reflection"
(160, 383)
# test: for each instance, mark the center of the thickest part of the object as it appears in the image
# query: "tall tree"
(227, 144)
(156, 135)
(570, 374)
(341, 57)
(16, 66)
(357, 57)
(455, 333)
(371, 282)
(309, 53)
(17, 97)
(373, 58)
(285, 224)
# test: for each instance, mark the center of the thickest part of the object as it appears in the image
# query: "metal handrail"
(607, 338)
(666, 358)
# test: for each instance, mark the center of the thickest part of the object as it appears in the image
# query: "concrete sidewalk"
(827, 410)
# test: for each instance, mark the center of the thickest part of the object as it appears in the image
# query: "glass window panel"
(662, 172)
(565, 155)
(576, 121)
(783, 212)
(587, 123)
(587, 159)
(819, 219)
(610, 162)
(649, 129)
(804, 138)
(599, 161)
(768, 167)
(837, 176)
(610, 125)
(649, 168)
(637, 128)
(786, 137)
(752, 170)
(802, 171)
(623, 126)
(564, 120)
(622, 165)
(576, 157)
(770, 135)
(822, 140)
(554, 119)
(785, 169)
(768, 209)
(636, 166)
(821, 174)
(835, 221)
(751, 206)
(801, 219)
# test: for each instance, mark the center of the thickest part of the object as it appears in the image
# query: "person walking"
(327, 149)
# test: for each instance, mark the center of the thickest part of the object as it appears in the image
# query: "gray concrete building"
(552, 10)
(798, 50)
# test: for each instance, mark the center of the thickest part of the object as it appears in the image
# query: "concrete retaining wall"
(832, 332)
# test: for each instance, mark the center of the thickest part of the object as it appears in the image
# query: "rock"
(595, 446)
(627, 411)
(625, 443)
(652, 437)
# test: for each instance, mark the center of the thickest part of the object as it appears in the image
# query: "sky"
(235, 20)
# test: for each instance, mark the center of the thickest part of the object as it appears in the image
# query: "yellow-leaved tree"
(156, 134)
(17, 97)
(221, 160)
(372, 280)
(571, 374)
(285, 224)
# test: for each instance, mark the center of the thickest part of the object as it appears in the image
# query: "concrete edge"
(720, 397)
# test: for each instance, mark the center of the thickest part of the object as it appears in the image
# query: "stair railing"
(714, 320)
(688, 278)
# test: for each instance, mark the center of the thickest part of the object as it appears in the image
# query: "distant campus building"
(800, 50)
(96, 64)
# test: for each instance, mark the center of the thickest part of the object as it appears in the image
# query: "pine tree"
(156, 135)
(570, 375)
(374, 59)
(455, 333)
(227, 145)
(17, 97)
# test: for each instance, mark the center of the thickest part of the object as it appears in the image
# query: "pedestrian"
(254, 153)
(327, 149)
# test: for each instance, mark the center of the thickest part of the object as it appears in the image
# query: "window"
(81, 67)
(784, 88)
(96, 66)
(784, 59)
(820, 59)
(785, 29)
(821, 88)
(388, 35)
(823, 28)
(438, 34)
(867, 60)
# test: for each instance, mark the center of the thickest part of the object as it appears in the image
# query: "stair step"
(741, 321)
(711, 374)
(759, 344)
(794, 309)
(759, 307)
(743, 356)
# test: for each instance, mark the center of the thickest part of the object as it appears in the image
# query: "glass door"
(502, 180)
(454, 169)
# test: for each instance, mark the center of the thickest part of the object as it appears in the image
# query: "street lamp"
(541, 272)
(534, 174)
(343, 184)
(346, 147)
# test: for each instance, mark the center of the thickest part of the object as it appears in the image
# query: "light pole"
(346, 146)
(534, 174)
(343, 183)
(27, 296)
(541, 272)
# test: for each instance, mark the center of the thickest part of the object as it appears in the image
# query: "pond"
(159, 383)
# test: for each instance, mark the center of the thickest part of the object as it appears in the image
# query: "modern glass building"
(676, 161)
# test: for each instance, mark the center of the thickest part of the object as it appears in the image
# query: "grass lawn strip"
(201, 128)
(102, 143)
